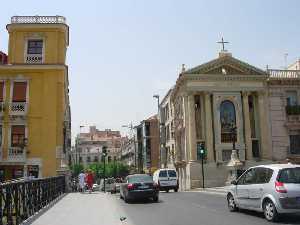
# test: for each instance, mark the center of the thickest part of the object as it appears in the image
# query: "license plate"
(143, 186)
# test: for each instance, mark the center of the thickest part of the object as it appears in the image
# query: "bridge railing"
(21, 199)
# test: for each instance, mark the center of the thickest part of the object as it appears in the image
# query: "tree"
(76, 169)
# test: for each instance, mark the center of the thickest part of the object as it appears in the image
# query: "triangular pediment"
(226, 65)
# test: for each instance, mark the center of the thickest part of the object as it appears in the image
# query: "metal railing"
(18, 108)
(39, 19)
(283, 74)
(21, 199)
(16, 154)
(292, 109)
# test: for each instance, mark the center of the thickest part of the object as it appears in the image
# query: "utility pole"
(104, 154)
(201, 152)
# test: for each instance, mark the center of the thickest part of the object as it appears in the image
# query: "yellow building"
(34, 99)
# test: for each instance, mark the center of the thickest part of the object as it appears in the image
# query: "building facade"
(167, 132)
(89, 146)
(34, 98)
(213, 99)
(129, 152)
(147, 134)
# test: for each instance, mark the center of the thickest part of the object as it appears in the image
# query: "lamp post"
(158, 118)
(104, 154)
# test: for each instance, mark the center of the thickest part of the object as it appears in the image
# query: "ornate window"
(228, 121)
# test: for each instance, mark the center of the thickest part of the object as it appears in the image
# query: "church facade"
(226, 103)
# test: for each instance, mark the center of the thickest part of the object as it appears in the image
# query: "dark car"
(139, 186)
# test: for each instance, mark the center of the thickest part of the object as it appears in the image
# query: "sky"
(123, 52)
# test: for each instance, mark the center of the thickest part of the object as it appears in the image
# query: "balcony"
(18, 108)
(34, 58)
(284, 74)
(16, 154)
(292, 109)
(38, 19)
(293, 116)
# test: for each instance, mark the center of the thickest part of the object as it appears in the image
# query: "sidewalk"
(77, 209)
(212, 190)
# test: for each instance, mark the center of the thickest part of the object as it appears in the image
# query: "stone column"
(208, 127)
(248, 140)
(263, 112)
(186, 127)
(192, 128)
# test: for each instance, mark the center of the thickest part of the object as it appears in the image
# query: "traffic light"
(200, 151)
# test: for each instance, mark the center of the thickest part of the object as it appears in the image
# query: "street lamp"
(158, 118)
(104, 154)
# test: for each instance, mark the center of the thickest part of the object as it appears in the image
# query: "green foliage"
(76, 169)
(112, 169)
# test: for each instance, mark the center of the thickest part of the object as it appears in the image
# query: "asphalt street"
(190, 208)
(182, 208)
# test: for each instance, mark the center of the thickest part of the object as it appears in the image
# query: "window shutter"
(1, 91)
(19, 92)
(18, 129)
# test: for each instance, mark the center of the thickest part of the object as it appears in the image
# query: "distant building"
(147, 134)
(167, 134)
(89, 146)
(35, 117)
(129, 152)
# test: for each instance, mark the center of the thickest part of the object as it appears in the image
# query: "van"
(166, 179)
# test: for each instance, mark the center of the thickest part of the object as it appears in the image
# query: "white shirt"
(81, 177)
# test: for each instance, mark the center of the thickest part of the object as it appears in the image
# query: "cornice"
(221, 77)
(33, 66)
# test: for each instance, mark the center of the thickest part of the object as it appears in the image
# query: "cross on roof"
(223, 42)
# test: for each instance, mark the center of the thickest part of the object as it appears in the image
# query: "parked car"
(109, 182)
(115, 188)
(271, 189)
(139, 186)
(166, 179)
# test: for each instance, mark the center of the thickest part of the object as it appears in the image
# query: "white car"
(272, 189)
(166, 179)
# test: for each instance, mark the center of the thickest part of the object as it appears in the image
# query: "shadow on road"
(283, 219)
(144, 201)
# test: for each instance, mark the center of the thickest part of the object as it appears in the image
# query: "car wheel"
(270, 211)
(155, 198)
(120, 196)
(176, 189)
(231, 203)
(167, 190)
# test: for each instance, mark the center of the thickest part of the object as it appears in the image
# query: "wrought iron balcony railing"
(39, 19)
(18, 108)
(16, 154)
(34, 58)
(292, 109)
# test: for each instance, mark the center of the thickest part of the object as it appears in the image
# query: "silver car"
(272, 189)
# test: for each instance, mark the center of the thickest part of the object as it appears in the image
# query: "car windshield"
(140, 178)
(290, 175)
(163, 173)
(172, 173)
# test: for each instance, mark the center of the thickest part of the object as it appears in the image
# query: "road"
(182, 208)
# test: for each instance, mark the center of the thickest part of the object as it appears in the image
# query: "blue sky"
(122, 52)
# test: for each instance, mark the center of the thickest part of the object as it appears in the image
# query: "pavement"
(182, 208)
(215, 190)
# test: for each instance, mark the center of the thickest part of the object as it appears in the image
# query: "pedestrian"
(90, 180)
(81, 181)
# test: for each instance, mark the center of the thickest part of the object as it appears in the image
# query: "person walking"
(90, 180)
(81, 180)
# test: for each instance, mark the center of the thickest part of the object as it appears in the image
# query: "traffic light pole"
(104, 153)
(104, 175)
(202, 170)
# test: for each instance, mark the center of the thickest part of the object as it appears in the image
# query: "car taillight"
(279, 187)
(130, 186)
